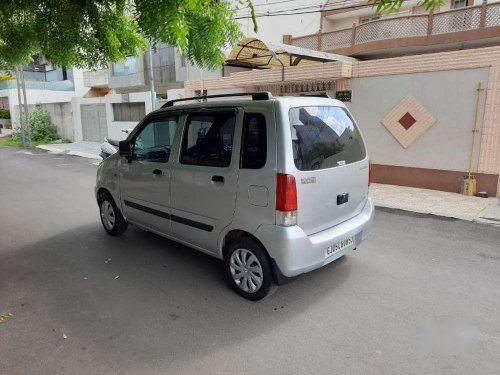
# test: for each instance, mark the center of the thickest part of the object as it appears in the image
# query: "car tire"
(111, 217)
(248, 269)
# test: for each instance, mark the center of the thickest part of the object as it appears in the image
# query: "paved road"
(421, 296)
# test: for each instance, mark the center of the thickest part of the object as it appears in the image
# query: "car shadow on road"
(140, 298)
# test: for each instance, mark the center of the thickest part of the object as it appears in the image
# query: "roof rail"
(254, 95)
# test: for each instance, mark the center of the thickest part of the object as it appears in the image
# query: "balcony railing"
(464, 19)
(41, 76)
(39, 85)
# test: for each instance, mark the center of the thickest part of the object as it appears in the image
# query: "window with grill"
(456, 4)
(134, 111)
(125, 67)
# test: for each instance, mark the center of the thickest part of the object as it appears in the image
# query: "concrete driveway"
(420, 297)
(84, 149)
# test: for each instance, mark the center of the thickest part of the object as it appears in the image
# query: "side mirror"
(125, 149)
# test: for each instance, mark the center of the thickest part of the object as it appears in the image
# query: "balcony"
(39, 85)
(458, 28)
(96, 78)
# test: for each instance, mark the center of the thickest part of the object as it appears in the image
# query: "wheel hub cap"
(246, 270)
(108, 215)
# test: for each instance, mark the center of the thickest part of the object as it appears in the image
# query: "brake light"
(286, 200)
(286, 193)
(369, 172)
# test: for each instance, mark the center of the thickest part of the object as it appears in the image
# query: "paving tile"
(436, 202)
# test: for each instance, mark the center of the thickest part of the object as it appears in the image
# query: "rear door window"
(254, 143)
(324, 137)
(208, 139)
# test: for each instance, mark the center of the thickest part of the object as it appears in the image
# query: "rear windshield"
(324, 137)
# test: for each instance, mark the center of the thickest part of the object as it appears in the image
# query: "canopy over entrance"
(255, 54)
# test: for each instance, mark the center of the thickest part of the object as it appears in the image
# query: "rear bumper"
(294, 252)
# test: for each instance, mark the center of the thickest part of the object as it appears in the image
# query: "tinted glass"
(324, 137)
(154, 142)
(208, 139)
(254, 144)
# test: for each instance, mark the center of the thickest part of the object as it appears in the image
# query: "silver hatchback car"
(275, 187)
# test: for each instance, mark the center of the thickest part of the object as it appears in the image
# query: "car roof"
(286, 100)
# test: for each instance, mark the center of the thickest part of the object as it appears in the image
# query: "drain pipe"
(469, 186)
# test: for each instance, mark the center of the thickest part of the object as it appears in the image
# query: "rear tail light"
(286, 200)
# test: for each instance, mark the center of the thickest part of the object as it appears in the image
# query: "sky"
(273, 28)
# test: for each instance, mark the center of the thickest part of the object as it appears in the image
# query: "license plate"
(330, 250)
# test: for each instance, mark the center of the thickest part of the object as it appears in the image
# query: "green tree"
(90, 33)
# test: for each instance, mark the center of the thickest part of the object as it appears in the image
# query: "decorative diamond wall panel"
(408, 121)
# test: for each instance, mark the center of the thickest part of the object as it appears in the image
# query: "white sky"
(273, 28)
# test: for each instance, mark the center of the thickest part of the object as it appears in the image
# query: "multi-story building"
(120, 96)
(357, 30)
(50, 87)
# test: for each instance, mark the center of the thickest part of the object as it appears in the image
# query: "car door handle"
(157, 172)
(218, 179)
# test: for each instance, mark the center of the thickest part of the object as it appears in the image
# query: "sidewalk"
(481, 210)
(89, 150)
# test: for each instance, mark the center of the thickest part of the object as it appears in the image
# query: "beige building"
(359, 31)
(418, 83)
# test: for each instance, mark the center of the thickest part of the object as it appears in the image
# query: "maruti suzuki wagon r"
(273, 186)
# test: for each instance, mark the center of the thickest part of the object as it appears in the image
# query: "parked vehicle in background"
(110, 146)
(275, 187)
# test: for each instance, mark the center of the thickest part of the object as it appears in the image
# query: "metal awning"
(255, 54)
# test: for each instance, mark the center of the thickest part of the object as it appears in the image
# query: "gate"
(94, 124)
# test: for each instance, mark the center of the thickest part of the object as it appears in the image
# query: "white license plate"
(330, 250)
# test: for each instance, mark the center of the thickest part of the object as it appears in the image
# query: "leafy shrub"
(4, 113)
(42, 129)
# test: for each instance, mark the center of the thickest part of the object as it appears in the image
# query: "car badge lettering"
(308, 180)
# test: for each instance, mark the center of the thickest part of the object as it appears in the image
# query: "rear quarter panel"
(255, 198)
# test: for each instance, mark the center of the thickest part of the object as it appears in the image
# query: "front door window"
(154, 143)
